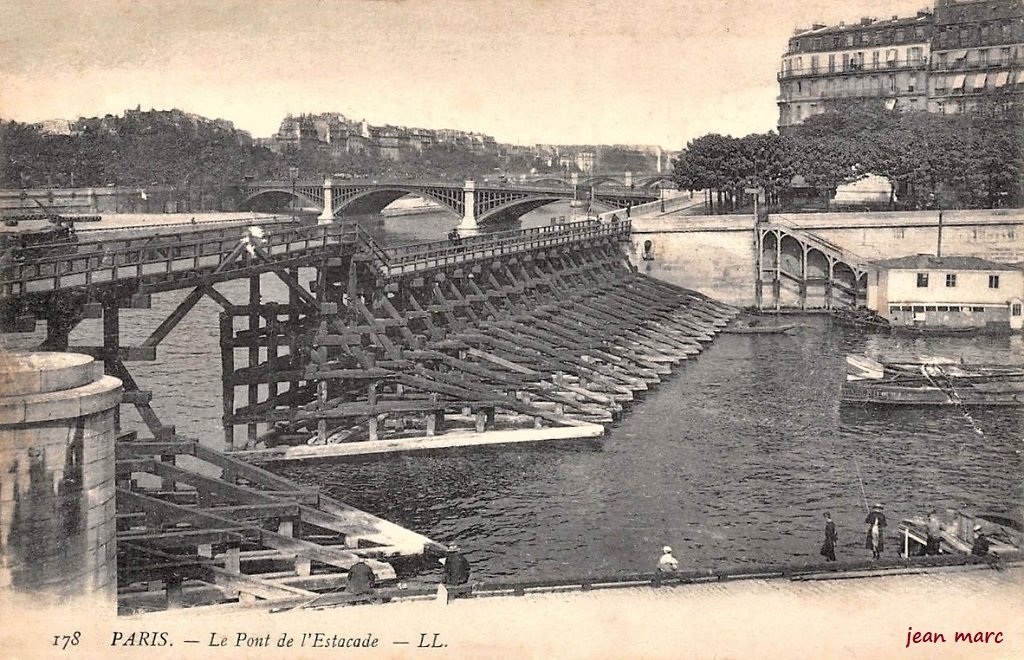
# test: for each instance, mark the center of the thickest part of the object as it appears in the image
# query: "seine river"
(732, 461)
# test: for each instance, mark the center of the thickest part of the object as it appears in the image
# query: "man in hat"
(456, 573)
(981, 543)
(360, 580)
(876, 530)
(667, 563)
(934, 538)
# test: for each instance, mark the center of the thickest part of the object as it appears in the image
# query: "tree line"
(964, 160)
(150, 148)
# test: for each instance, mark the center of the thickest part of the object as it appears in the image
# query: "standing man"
(456, 573)
(360, 580)
(667, 563)
(934, 530)
(828, 547)
(876, 531)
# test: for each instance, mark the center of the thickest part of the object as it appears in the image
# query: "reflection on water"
(731, 461)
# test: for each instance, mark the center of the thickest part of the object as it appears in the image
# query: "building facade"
(943, 61)
(977, 53)
(947, 292)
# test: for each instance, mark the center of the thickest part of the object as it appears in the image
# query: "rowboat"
(760, 329)
(937, 382)
(957, 531)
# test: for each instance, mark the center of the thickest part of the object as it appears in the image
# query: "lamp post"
(293, 174)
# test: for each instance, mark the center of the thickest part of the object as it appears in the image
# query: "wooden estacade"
(519, 335)
(541, 334)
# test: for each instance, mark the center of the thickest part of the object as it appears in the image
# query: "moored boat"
(936, 382)
(741, 329)
(955, 532)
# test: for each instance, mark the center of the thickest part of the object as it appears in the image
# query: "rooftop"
(931, 262)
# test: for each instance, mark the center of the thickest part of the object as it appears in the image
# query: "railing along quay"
(419, 256)
(86, 263)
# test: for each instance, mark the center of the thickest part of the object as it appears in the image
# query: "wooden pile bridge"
(523, 336)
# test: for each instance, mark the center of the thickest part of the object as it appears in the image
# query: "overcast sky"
(525, 71)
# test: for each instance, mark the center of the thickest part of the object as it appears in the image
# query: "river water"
(732, 461)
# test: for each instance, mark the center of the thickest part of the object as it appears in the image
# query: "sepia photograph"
(511, 329)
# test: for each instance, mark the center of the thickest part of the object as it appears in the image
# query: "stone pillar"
(327, 217)
(468, 226)
(57, 511)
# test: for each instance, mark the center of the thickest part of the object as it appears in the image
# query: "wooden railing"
(107, 261)
(101, 262)
(419, 256)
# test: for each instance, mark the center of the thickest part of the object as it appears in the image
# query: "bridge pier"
(468, 226)
(327, 217)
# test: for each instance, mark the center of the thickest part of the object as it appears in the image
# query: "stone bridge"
(485, 202)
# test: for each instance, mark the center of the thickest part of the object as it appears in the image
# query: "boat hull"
(867, 393)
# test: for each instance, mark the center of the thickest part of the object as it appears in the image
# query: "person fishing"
(828, 547)
(876, 526)
(667, 563)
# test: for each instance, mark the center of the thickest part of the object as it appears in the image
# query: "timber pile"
(185, 537)
(540, 345)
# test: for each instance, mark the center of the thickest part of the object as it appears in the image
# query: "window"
(899, 36)
(929, 308)
(922, 281)
(893, 309)
(977, 309)
(950, 280)
(814, 63)
(918, 309)
(954, 308)
(648, 250)
(1015, 309)
(943, 308)
(983, 56)
(993, 281)
(875, 56)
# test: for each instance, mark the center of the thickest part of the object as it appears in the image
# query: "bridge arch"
(648, 182)
(366, 200)
(600, 180)
(512, 210)
(281, 195)
(550, 179)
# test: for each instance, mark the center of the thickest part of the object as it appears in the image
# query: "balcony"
(962, 64)
(855, 68)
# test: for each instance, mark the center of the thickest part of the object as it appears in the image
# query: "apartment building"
(945, 60)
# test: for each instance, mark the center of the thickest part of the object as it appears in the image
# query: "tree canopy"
(973, 159)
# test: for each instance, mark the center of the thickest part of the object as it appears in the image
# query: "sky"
(525, 71)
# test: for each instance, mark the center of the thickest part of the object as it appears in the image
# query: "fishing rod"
(861, 482)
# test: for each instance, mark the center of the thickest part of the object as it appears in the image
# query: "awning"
(979, 80)
(890, 104)
(958, 81)
(1002, 78)
(960, 54)
(890, 55)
